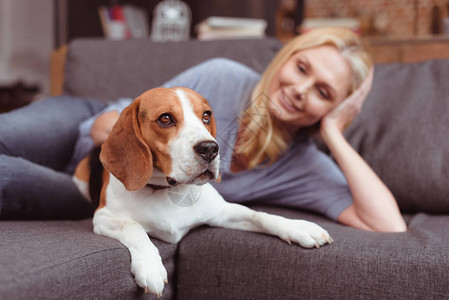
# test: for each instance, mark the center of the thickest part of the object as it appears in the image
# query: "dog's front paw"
(306, 234)
(150, 274)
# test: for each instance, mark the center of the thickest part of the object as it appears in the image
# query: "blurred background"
(30, 30)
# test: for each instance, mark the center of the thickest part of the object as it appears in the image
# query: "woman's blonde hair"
(261, 139)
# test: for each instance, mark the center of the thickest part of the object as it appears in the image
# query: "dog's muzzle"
(201, 168)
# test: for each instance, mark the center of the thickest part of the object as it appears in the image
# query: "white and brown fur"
(142, 160)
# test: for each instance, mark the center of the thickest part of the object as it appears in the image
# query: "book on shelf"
(228, 28)
(311, 23)
(121, 22)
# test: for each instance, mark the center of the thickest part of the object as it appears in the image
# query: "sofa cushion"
(402, 133)
(107, 70)
(66, 260)
(216, 263)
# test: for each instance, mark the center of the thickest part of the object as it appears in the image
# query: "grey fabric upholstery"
(215, 263)
(66, 260)
(403, 134)
(107, 70)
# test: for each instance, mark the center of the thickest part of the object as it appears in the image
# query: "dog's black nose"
(208, 150)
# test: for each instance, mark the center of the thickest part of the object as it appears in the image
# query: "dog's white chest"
(173, 212)
(166, 214)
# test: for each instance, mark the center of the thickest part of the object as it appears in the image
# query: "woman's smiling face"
(309, 85)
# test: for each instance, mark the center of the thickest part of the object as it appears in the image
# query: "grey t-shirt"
(303, 177)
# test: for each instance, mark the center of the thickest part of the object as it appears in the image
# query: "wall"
(26, 41)
(403, 18)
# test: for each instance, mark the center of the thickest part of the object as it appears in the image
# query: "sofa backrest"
(106, 70)
(403, 133)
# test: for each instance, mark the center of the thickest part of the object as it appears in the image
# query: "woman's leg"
(35, 141)
(45, 132)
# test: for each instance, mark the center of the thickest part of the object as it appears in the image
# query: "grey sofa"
(403, 133)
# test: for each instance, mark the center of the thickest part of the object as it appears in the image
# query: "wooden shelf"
(406, 50)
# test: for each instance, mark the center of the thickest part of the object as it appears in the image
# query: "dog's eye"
(166, 120)
(206, 116)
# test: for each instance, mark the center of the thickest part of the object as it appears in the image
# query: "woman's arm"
(374, 207)
(102, 127)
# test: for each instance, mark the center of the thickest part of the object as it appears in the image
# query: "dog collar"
(157, 187)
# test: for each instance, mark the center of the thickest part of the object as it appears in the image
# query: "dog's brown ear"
(125, 153)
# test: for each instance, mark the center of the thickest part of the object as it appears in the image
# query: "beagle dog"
(163, 149)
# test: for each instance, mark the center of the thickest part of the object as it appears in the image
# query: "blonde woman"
(309, 84)
(316, 84)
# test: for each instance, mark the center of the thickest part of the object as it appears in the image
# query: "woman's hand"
(346, 111)
(102, 127)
